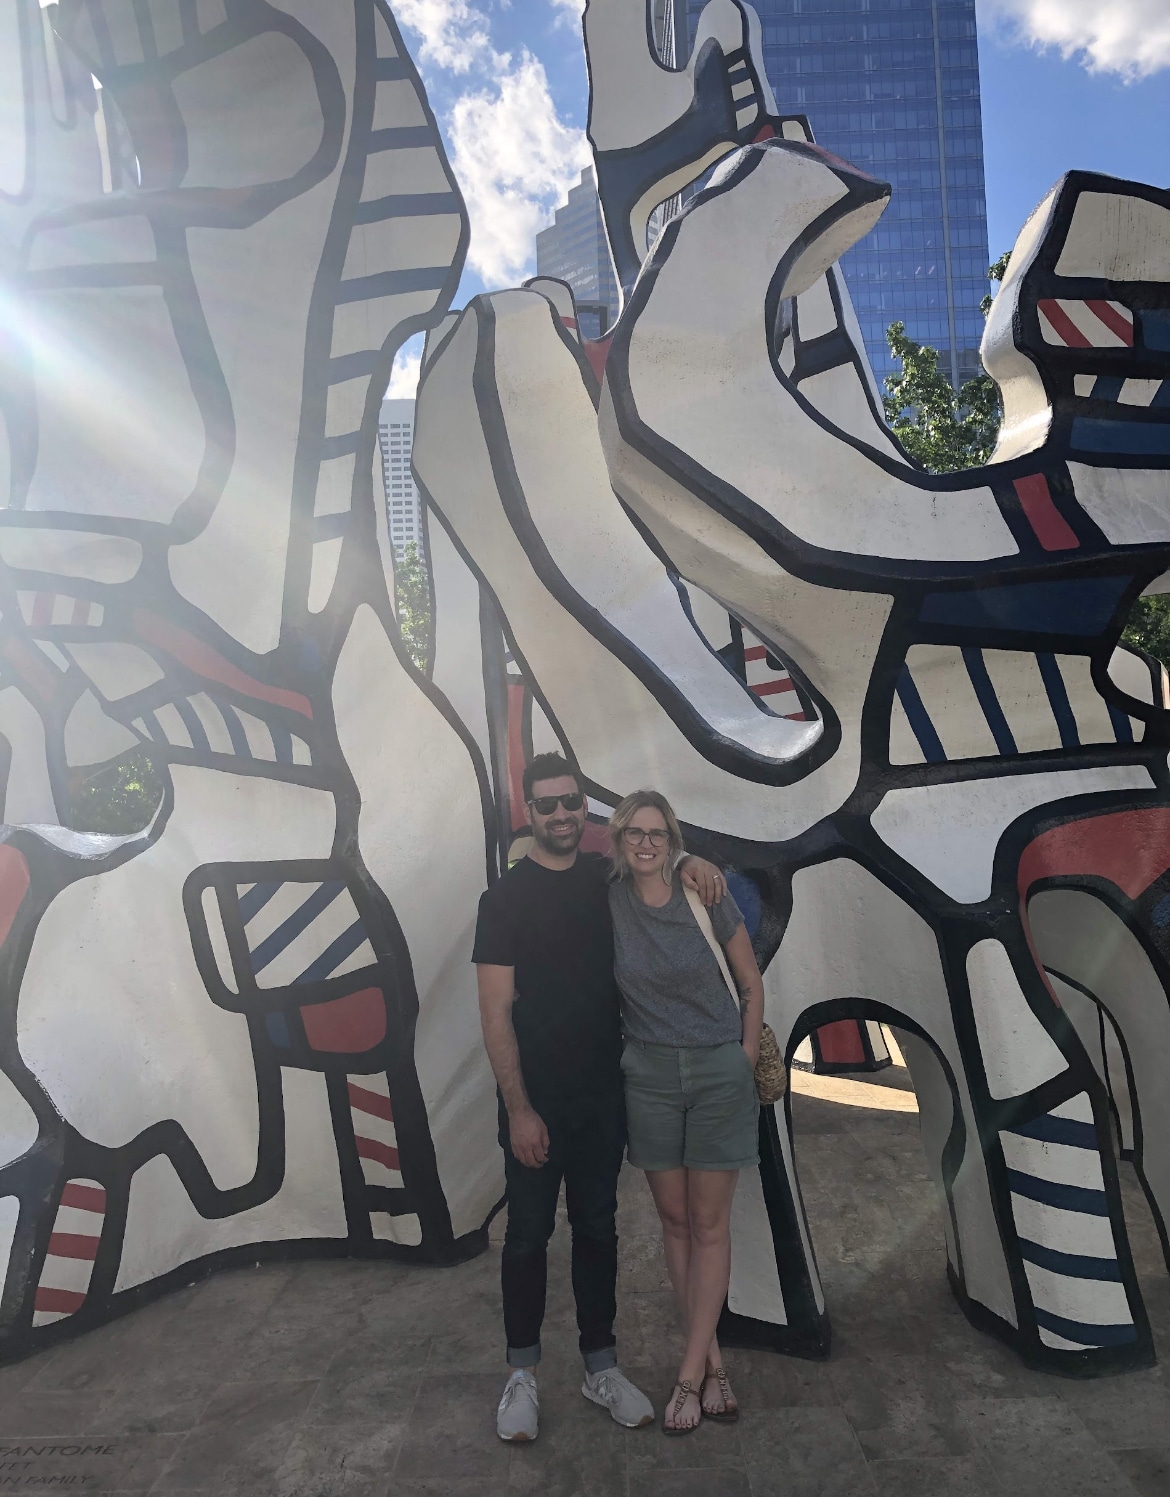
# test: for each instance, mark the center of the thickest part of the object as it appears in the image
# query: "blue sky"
(1066, 83)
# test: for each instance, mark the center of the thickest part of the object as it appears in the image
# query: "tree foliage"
(946, 432)
(941, 429)
(1148, 628)
(119, 798)
(412, 592)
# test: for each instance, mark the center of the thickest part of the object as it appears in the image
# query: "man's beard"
(563, 842)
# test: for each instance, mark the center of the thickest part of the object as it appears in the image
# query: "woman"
(689, 1063)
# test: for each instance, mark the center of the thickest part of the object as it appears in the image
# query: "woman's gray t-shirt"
(673, 992)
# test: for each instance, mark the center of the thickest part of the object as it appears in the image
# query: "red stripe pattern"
(373, 1130)
(73, 1246)
(1086, 324)
(44, 610)
(772, 682)
(1051, 529)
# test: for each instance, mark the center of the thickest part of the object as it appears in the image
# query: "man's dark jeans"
(586, 1141)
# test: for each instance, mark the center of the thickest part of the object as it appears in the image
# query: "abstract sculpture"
(254, 1022)
(251, 1029)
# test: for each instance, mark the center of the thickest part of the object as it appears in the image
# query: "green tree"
(1148, 628)
(946, 432)
(412, 591)
(941, 429)
(119, 798)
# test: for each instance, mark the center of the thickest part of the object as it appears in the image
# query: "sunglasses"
(545, 805)
(658, 836)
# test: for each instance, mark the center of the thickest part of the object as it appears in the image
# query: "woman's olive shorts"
(695, 1108)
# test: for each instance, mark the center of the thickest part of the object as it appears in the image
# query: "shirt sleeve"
(495, 943)
(726, 917)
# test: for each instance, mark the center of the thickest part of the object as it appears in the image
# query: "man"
(550, 1011)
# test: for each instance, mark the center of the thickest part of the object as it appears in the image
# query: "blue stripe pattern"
(1050, 1129)
(191, 722)
(256, 898)
(400, 137)
(335, 953)
(392, 283)
(1124, 438)
(1087, 1335)
(928, 740)
(975, 662)
(406, 205)
(1053, 1193)
(1058, 699)
(992, 711)
(1122, 726)
(271, 947)
(1073, 1265)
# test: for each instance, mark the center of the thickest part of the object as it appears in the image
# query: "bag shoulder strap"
(703, 921)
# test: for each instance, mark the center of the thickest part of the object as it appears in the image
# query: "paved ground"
(361, 1380)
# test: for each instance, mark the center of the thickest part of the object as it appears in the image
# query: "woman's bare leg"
(709, 1195)
(669, 1189)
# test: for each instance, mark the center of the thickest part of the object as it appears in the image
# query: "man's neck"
(559, 862)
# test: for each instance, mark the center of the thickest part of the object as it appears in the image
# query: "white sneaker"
(517, 1417)
(614, 1391)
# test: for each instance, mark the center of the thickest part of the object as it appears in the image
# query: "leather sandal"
(730, 1411)
(674, 1408)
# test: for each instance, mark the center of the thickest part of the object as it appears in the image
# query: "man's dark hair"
(547, 767)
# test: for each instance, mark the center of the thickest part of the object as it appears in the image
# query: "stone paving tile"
(1127, 1411)
(40, 1413)
(243, 1437)
(900, 1406)
(344, 1460)
(580, 1451)
(700, 1483)
(85, 1463)
(367, 1383)
(452, 1430)
(370, 1378)
(807, 1453)
(1147, 1469)
(938, 1476)
(1037, 1447)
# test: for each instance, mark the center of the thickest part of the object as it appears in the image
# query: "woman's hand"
(752, 1052)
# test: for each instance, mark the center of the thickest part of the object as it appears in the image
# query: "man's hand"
(703, 877)
(528, 1137)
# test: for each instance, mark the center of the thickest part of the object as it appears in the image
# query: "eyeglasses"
(658, 836)
(545, 805)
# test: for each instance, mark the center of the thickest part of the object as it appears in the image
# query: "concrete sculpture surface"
(938, 839)
(249, 1024)
(891, 703)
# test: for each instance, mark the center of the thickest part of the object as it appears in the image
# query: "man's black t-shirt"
(554, 927)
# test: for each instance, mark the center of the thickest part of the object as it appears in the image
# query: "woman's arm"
(742, 961)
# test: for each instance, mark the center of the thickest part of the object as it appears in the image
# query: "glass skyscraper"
(893, 86)
(574, 249)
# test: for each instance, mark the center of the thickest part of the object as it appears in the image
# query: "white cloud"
(1128, 37)
(515, 161)
(454, 34)
(404, 375)
(513, 156)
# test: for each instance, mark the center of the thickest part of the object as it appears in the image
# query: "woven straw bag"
(771, 1076)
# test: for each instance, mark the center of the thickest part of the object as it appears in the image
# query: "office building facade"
(893, 86)
(574, 248)
(395, 438)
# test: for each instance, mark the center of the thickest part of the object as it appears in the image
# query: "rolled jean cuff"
(600, 1361)
(524, 1356)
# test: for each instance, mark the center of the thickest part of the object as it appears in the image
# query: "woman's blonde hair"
(625, 813)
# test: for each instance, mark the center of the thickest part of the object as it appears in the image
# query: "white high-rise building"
(403, 510)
